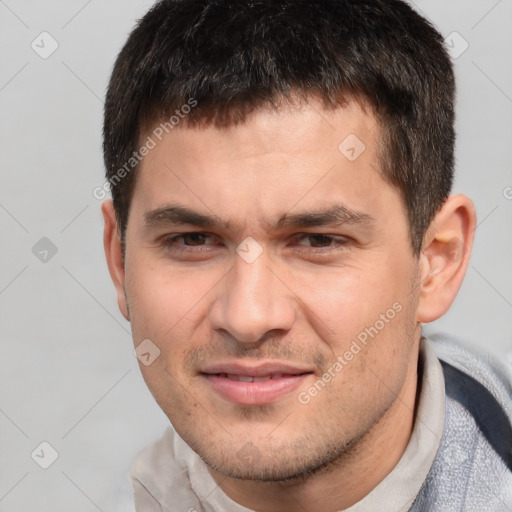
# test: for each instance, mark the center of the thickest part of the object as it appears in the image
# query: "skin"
(302, 301)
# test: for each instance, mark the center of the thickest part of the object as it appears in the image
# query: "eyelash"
(169, 242)
(339, 243)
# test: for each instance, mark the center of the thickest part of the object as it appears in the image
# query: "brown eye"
(191, 247)
(320, 244)
(192, 239)
(320, 240)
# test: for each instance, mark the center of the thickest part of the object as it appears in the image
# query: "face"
(271, 266)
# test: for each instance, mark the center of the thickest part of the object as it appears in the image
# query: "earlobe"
(114, 255)
(445, 257)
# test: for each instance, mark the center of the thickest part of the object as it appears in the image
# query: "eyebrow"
(180, 215)
(336, 215)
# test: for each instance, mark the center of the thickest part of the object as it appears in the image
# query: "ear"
(445, 257)
(114, 254)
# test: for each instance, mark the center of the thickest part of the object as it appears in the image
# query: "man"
(281, 228)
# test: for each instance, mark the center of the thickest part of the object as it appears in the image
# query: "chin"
(271, 463)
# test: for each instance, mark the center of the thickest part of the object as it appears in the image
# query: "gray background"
(68, 375)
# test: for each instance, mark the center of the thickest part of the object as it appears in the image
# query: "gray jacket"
(472, 470)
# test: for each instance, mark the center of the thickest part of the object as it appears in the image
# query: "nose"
(252, 302)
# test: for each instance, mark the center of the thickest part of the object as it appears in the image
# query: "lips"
(255, 369)
(255, 384)
(249, 378)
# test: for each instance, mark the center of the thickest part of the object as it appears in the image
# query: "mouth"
(249, 378)
(254, 385)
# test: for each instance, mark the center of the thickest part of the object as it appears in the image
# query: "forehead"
(267, 165)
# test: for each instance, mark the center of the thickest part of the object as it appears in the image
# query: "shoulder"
(482, 386)
(473, 467)
(479, 383)
(159, 476)
(494, 375)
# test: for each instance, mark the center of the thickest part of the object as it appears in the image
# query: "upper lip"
(255, 370)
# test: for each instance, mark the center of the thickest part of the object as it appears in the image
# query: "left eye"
(191, 239)
(320, 241)
(184, 241)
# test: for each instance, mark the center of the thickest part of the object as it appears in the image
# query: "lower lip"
(255, 393)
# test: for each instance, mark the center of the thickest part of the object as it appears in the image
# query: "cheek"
(170, 391)
(369, 304)
(168, 307)
(162, 297)
(349, 297)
